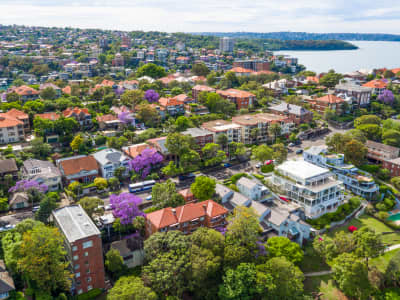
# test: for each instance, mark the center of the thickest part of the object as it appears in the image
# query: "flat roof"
(302, 169)
(75, 223)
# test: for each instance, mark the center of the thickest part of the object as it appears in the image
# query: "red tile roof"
(20, 115)
(136, 150)
(235, 93)
(76, 165)
(49, 116)
(76, 110)
(241, 70)
(67, 90)
(203, 88)
(9, 121)
(168, 102)
(106, 82)
(376, 84)
(24, 90)
(106, 118)
(166, 216)
(331, 99)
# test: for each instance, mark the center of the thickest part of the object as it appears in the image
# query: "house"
(295, 113)
(254, 65)
(184, 99)
(159, 145)
(109, 160)
(187, 195)
(360, 95)
(330, 101)
(81, 168)
(11, 129)
(108, 122)
(253, 189)
(242, 99)
(240, 71)
(129, 84)
(136, 150)
(201, 136)
(377, 86)
(42, 171)
(19, 200)
(187, 218)
(197, 89)
(6, 281)
(380, 152)
(131, 251)
(310, 186)
(393, 165)
(84, 248)
(278, 87)
(52, 116)
(25, 93)
(8, 167)
(21, 116)
(222, 127)
(81, 115)
(260, 123)
(172, 106)
(359, 182)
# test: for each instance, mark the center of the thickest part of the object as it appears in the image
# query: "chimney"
(174, 211)
(205, 207)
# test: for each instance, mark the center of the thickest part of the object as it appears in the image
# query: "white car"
(258, 165)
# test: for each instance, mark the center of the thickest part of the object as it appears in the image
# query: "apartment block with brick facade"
(380, 152)
(83, 246)
(197, 89)
(242, 99)
(295, 113)
(200, 136)
(393, 166)
(187, 218)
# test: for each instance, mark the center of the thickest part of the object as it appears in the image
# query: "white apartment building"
(312, 187)
(11, 129)
(109, 160)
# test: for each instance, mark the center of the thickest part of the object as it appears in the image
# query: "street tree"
(203, 188)
(282, 247)
(165, 195)
(131, 288)
(262, 153)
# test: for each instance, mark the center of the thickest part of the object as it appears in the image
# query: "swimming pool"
(395, 217)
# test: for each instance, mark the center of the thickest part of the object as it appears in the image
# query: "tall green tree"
(212, 154)
(262, 153)
(131, 288)
(114, 262)
(203, 188)
(165, 195)
(282, 247)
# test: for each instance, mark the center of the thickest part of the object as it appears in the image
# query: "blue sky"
(382, 16)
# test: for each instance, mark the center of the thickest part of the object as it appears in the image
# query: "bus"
(141, 186)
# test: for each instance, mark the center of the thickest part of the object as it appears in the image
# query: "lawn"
(312, 262)
(324, 285)
(365, 220)
(381, 262)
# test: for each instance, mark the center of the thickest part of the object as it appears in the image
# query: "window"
(86, 254)
(89, 287)
(89, 279)
(74, 248)
(76, 257)
(88, 271)
(80, 291)
(76, 267)
(87, 244)
(77, 275)
(86, 263)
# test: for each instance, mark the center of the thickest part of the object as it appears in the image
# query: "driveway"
(17, 217)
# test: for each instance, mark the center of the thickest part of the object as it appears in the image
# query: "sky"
(382, 16)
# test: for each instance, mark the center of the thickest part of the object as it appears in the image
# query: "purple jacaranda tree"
(126, 118)
(144, 162)
(151, 96)
(125, 206)
(261, 249)
(119, 91)
(386, 97)
(221, 229)
(28, 185)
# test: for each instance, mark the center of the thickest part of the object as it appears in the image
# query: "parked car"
(291, 144)
(107, 207)
(148, 198)
(227, 165)
(35, 208)
(189, 176)
(300, 151)
(258, 165)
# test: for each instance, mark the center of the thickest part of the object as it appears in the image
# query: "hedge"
(267, 168)
(90, 295)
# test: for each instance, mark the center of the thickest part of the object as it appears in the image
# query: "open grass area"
(323, 285)
(312, 262)
(378, 226)
(381, 262)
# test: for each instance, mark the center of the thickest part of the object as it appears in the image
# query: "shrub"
(90, 295)
(267, 168)
(370, 168)
(237, 176)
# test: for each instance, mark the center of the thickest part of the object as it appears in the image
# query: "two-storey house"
(81, 168)
(109, 160)
(44, 172)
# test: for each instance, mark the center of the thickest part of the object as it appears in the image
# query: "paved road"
(320, 273)
(17, 217)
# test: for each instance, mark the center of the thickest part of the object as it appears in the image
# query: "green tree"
(189, 161)
(336, 142)
(148, 115)
(368, 243)
(40, 149)
(330, 79)
(222, 140)
(392, 274)
(355, 152)
(351, 274)
(182, 123)
(151, 70)
(91, 205)
(282, 247)
(280, 153)
(165, 195)
(275, 130)
(287, 279)
(131, 288)
(207, 238)
(114, 262)
(119, 173)
(371, 131)
(212, 154)
(48, 93)
(114, 183)
(47, 205)
(171, 169)
(100, 183)
(178, 144)
(391, 137)
(203, 188)
(200, 69)
(262, 153)
(367, 119)
(42, 259)
(160, 243)
(4, 204)
(132, 98)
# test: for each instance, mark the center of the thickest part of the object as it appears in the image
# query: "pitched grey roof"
(195, 132)
(248, 183)
(351, 87)
(74, 223)
(44, 169)
(8, 165)
(109, 155)
(6, 281)
(291, 108)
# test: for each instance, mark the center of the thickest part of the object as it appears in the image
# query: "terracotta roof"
(182, 98)
(24, 90)
(203, 88)
(331, 99)
(264, 72)
(20, 115)
(76, 165)
(168, 102)
(167, 79)
(67, 90)
(166, 216)
(395, 71)
(106, 118)
(235, 93)
(48, 84)
(9, 121)
(106, 82)
(259, 118)
(312, 79)
(376, 84)
(52, 116)
(241, 70)
(186, 193)
(70, 111)
(136, 150)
